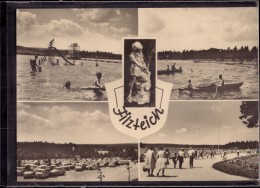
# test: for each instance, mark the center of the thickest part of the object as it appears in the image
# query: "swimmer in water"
(67, 85)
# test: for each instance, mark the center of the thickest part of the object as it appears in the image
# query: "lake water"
(47, 85)
(203, 74)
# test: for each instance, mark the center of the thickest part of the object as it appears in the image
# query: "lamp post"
(128, 169)
(100, 175)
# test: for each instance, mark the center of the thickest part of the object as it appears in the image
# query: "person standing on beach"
(181, 156)
(191, 157)
(160, 163)
(175, 159)
(150, 160)
(167, 156)
(211, 153)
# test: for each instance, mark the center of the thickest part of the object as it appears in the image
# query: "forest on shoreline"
(235, 54)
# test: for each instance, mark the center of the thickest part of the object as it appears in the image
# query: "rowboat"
(212, 88)
(160, 72)
(92, 88)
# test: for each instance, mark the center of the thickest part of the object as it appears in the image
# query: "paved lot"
(202, 171)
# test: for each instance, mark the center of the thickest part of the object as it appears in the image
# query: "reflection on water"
(47, 85)
(203, 74)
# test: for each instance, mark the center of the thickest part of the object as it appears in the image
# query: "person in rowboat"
(168, 68)
(220, 81)
(190, 86)
(173, 67)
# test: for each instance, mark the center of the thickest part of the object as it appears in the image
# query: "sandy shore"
(202, 171)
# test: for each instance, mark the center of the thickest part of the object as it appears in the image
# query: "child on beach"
(175, 159)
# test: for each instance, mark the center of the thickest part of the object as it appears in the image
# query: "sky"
(199, 122)
(92, 29)
(199, 28)
(188, 122)
(77, 122)
(175, 28)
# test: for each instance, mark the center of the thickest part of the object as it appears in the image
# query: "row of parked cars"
(40, 169)
(29, 171)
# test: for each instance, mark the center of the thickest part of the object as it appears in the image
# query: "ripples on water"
(47, 85)
(203, 74)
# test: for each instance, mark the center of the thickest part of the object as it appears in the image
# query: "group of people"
(173, 67)
(161, 159)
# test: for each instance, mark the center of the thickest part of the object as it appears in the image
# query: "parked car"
(112, 164)
(61, 170)
(42, 173)
(54, 172)
(28, 174)
(79, 167)
(20, 171)
(43, 166)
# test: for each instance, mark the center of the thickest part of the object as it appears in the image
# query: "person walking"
(161, 161)
(150, 160)
(175, 159)
(181, 156)
(191, 157)
(167, 156)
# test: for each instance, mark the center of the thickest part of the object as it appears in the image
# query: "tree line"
(235, 54)
(79, 54)
(46, 150)
(230, 145)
